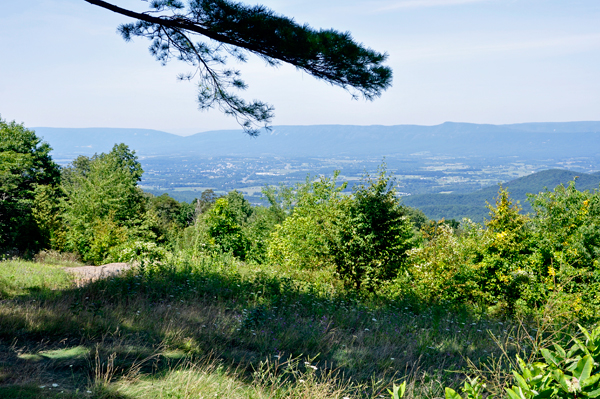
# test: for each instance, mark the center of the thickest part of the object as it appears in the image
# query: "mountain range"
(577, 139)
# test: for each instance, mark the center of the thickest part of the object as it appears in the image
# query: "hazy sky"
(62, 64)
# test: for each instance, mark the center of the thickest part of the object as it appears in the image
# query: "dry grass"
(52, 257)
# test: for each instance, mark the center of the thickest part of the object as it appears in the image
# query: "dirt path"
(86, 274)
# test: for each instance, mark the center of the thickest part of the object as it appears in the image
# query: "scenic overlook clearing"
(301, 199)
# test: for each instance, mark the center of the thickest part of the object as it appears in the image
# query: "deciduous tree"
(104, 206)
(25, 164)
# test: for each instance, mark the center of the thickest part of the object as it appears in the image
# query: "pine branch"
(325, 54)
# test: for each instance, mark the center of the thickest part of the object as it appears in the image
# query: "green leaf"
(550, 358)
(584, 368)
(548, 393)
(582, 346)
(560, 378)
(402, 389)
(593, 394)
(585, 332)
(522, 364)
(511, 394)
(398, 391)
(521, 382)
(451, 394)
(559, 349)
(590, 381)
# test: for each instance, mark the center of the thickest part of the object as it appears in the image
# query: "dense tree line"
(367, 239)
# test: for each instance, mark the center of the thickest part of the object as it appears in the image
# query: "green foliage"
(224, 223)
(472, 389)
(104, 208)
(47, 213)
(363, 236)
(25, 165)
(258, 231)
(515, 263)
(398, 391)
(206, 200)
(138, 251)
(567, 235)
(504, 268)
(372, 235)
(491, 266)
(281, 200)
(232, 225)
(441, 269)
(172, 217)
(572, 373)
(302, 241)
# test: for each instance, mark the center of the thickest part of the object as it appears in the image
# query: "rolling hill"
(473, 205)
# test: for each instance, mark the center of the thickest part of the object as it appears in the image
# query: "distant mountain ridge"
(473, 205)
(577, 139)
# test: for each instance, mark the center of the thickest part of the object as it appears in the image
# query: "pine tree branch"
(325, 54)
(178, 23)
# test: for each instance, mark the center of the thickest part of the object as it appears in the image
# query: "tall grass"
(150, 331)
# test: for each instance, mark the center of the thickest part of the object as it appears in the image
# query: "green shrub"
(170, 217)
(372, 234)
(232, 225)
(140, 251)
(103, 206)
(504, 269)
(224, 229)
(303, 240)
(442, 268)
(566, 232)
(492, 265)
(363, 237)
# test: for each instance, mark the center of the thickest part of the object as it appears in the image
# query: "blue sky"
(62, 64)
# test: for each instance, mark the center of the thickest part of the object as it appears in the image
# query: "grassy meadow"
(215, 327)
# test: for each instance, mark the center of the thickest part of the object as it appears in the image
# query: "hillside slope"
(473, 205)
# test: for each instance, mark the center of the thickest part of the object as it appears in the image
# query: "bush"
(504, 270)
(303, 240)
(441, 270)
(138, 251)
(232, 225)
(490, 266)
(372, 234)
(363, 237)
(224, 221)
(566, 232)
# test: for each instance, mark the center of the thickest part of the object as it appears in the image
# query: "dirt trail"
(86, 274)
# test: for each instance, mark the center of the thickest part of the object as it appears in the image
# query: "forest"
(322, 293)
